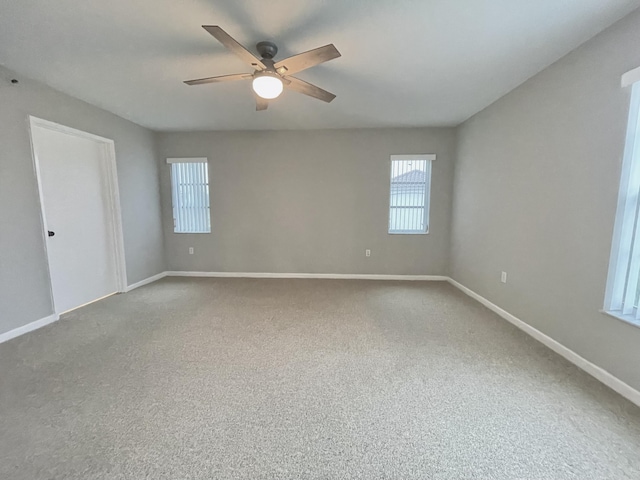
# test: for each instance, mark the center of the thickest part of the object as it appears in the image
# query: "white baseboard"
(334, 276)
(52, 318)
(146, 281)
(602, 375)
(29, 327)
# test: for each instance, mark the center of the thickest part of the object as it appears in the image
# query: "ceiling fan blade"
(306, 88)
(261, 103)
(222, 78)
(229, 42)
(305, 60)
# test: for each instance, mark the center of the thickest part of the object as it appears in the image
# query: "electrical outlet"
(367, 253)
(190, 250)
(503, 277)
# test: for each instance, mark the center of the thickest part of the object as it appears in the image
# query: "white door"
(76, 207)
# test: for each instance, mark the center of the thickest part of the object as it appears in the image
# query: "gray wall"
(536, 186)
(308, 202)
(24, 282)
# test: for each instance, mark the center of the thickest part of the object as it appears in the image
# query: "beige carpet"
(297, 379)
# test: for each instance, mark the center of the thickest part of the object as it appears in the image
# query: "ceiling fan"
(271, 77)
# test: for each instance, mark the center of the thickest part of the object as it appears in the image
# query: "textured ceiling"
(404, 62)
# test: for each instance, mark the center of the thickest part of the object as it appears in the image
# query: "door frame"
(110, 182)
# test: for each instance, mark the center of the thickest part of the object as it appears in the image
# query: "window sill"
(630, 319)
(408, 233)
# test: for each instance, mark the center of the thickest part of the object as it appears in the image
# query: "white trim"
(335, 276)
(89, 303)
(29, 327)
(418, 156)
(109, 152)
(146, 281)
(187, 160)
(111, 182)
(631, 77)
(628, 319)
(68, 130)
(599, 373)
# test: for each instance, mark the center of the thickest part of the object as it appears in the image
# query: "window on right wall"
(410, 194)
(623, 284)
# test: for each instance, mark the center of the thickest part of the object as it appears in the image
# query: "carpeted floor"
(301, 379)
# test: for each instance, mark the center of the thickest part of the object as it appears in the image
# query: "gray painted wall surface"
(536, 186)
(308, 202)
(24, 282)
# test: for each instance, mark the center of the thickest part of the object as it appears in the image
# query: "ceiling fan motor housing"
(267, 50)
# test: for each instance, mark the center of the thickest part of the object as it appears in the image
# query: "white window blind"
(190, 195)
(623, 285)
(409, 193)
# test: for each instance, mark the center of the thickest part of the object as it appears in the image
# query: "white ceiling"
(404, 62)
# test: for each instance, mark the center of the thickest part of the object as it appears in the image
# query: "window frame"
(174, 191)
(429, 158)
(624, 262)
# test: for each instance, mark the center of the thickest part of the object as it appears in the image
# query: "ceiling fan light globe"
(267, 86)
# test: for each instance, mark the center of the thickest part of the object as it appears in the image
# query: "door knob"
(50, 233)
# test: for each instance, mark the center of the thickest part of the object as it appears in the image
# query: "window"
(623, 286)
(409, 196)
(190, 195)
